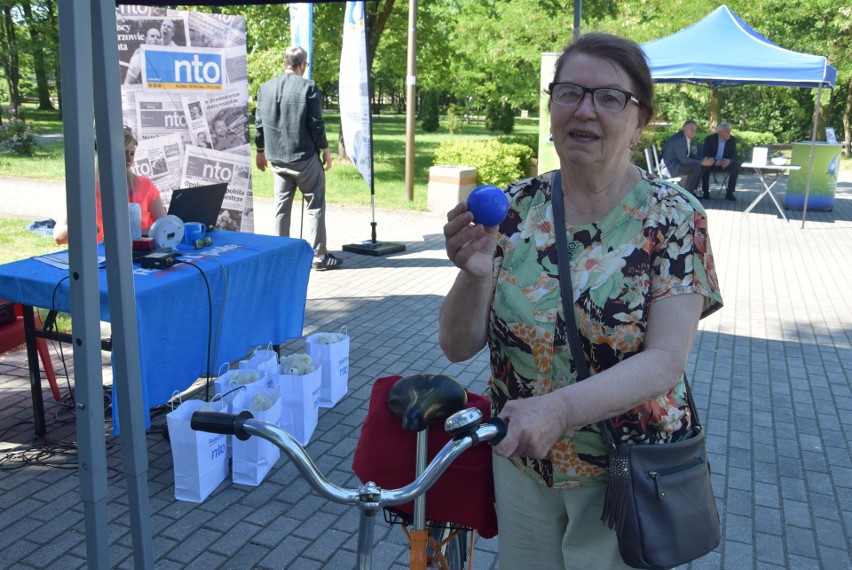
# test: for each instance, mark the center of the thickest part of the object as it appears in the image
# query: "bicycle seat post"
(419, 400)
(422, 460)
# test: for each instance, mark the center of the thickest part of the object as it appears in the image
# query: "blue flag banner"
(354, 92)
(302, 30)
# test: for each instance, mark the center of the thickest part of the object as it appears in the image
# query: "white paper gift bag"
(200, 458)
(332, 352)
(254, 457)
(299, 387)
(229, 383)
(261, 359)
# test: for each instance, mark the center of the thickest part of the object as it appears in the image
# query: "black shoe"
(328, 262)
(706, 196)
(730, 197)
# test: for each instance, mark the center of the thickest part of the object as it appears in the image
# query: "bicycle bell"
(463, 422)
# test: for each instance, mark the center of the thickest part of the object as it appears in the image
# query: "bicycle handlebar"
(226, 424)
(243, 426)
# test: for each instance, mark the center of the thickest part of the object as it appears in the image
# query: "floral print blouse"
(653, 244)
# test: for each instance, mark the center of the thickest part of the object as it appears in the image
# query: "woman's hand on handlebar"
(535, 424)
(469, 247)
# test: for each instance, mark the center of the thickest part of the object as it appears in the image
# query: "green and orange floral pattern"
(652, 245)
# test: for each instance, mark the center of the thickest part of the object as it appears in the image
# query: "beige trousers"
(546, 528)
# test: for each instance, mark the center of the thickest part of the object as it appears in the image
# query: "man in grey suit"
(722, 148)
(680, 157)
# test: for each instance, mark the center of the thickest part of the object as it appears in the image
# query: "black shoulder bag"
(658, 500)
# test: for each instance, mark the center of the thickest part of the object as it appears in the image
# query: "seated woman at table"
(140, 190)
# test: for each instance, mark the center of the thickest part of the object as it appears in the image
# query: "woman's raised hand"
(470, 247)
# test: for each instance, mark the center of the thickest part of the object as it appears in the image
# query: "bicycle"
(464, 426)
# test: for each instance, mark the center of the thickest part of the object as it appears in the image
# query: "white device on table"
(167, 231)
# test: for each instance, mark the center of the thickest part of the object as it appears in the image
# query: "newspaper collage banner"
(185, 95)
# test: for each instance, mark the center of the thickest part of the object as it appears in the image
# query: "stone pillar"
(449, 185)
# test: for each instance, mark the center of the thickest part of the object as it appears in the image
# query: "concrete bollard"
(449, 185)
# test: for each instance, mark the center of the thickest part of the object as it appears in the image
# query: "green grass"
(17, 242)
(343, 182)
(45, 121)
(47, 162)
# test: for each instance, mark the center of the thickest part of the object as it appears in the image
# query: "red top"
(143, 194)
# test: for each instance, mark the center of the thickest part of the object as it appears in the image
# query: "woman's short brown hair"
(627, 54)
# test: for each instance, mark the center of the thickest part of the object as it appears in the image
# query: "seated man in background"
(722, 149)
(680, 159)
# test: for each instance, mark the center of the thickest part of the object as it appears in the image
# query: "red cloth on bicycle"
(385, 454)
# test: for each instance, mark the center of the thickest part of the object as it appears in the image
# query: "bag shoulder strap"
(563, 258)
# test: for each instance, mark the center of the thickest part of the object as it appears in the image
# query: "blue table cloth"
(258, 287)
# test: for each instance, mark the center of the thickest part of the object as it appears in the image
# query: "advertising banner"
(302, 30)
(185, 95)
(354, 92)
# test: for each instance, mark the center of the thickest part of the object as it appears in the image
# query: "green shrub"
(495, 162)
(455, 119)
(527, 139)
(492, 116)
(507, 119)
(747, 140)
(429, 113)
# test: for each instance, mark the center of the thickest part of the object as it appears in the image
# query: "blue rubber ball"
(488, 204)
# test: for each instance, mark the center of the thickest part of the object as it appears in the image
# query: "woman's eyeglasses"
(607, 99)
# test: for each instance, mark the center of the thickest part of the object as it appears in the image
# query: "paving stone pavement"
(770, 371)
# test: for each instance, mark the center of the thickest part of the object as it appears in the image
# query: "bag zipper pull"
(658, 484)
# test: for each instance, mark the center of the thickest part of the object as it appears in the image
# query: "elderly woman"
(642, 274)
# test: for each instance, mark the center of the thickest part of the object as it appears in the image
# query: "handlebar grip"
(502, 428)
(218, 422)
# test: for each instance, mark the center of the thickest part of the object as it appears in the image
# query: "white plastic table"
(762, 170)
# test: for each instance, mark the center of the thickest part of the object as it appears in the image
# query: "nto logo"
(188, 69)
(198, 71)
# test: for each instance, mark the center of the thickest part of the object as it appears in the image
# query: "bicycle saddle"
(421, 399)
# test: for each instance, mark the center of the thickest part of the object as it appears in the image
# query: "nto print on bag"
(255, 457)
(200, 459)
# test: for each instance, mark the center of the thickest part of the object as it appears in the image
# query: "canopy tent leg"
(811, 157)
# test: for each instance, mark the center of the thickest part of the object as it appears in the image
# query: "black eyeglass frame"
(591, 91)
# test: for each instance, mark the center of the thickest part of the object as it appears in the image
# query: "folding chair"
(723, 185)
(12, 336)
(654, 167)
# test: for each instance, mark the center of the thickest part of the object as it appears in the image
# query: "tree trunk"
(715, 109)
(10, 61)
(54, 27)
(847, 128)
(42, 88)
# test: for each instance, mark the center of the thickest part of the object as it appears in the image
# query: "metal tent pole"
(811, 157)
(75, 40)
(127, 375)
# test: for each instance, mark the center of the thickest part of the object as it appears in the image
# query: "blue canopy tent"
(739, 56)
